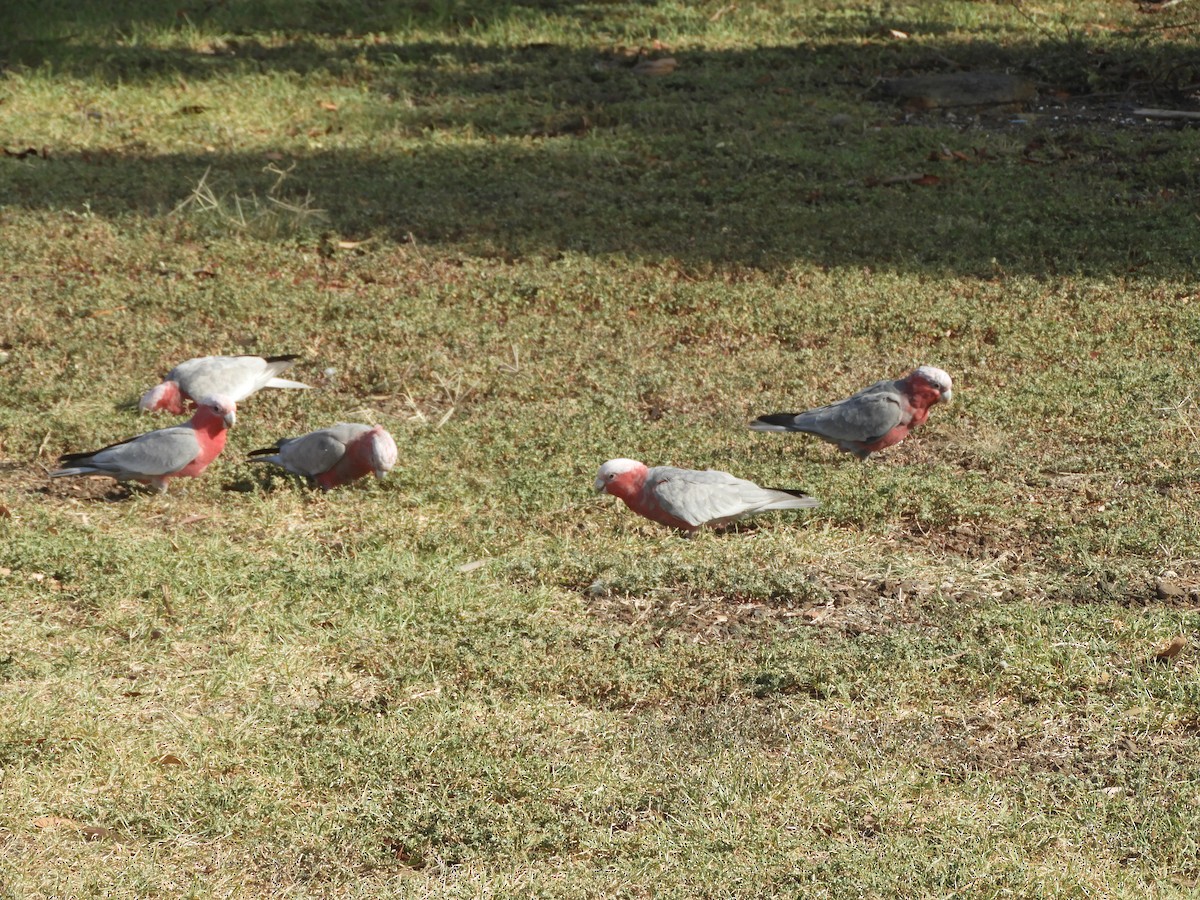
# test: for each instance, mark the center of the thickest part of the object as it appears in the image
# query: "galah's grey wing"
(154, 453)
(347, 431)
(313, 453)
(699, 497)
(233, 377)
(865, 417)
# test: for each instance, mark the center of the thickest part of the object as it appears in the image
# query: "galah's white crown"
(939, 378)
(382, 452)
(613, 468)
(223, 407)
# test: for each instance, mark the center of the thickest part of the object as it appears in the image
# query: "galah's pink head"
(210, 409)
(938, 379)
(378, 450)
(165, 396)
(620, 477)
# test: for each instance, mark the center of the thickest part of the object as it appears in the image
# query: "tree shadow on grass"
(44, 26)
(756, 157)
(558, 195)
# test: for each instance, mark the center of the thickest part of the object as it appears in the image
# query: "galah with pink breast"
(688, 499)
(330, 457)
(154, 458)
(232, 377)
(874, 418)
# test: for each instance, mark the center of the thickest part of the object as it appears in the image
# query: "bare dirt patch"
(849, 605)
(995, 739)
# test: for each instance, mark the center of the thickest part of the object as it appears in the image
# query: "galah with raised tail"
(688, 499)
(334, 456)
(232, 377)
(154, 458)
(876, 417)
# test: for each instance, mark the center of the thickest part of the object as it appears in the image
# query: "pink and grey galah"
(334, 456)
(876, 417)
(688, 499)
(154, 458)
(232, 377)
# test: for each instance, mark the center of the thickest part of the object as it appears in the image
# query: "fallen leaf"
(927, 180)
(96, 313)
(944, 154)
(1173, 648)
(54, 822)
(325, 104)
(88, 832)
(472, 566)
(664, 66)
(170, 759)
(896, 33)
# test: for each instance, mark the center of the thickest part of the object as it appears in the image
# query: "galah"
(688, 499)
(156, 457)
(334, 456)
(232, 377)
(876, 417)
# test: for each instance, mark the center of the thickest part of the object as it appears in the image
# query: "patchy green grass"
(485, 230)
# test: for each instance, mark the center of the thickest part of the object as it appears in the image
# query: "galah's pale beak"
(229, 418)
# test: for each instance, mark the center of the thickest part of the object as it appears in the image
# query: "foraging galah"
(156, 457)
(232, 377)
(334, 456)
(876, 417)
(688, 499)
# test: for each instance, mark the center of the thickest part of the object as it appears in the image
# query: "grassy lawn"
(487, 229)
